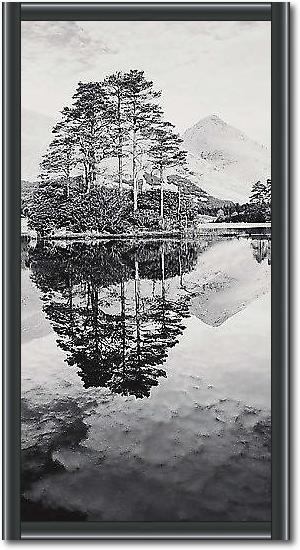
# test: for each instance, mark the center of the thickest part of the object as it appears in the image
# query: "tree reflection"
(261, 249)
(103, 303)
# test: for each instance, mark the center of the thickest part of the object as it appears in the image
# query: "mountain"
(35, 138)
(223, 161)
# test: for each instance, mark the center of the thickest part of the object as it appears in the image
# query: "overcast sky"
(202, 67)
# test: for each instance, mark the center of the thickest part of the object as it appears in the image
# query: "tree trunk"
(67, 173)
(120, 159)
(134, 179)
(162, 198)
(93, 174)
(86, 178)
(90, 177)
(120, 145)
(92, 157)
(180, 268)
(88, 189)
(163, 270)
(179, 203)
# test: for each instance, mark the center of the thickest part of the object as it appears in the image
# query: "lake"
(146, 379)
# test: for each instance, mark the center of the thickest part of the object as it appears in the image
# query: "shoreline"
(194, 233)
(234, 225)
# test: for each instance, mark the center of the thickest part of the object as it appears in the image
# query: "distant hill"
(190, 188)
(224, 161)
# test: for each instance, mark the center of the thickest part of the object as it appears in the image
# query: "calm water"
(146, 380)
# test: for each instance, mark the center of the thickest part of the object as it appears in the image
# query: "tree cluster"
(108, 123)
(261, 193)
(258, 209)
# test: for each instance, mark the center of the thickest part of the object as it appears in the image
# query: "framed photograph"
(146, 170)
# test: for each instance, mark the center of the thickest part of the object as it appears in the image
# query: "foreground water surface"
(146, 380)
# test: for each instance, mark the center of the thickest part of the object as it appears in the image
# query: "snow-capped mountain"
(223, 160)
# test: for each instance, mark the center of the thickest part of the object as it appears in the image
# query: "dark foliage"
(115, 335)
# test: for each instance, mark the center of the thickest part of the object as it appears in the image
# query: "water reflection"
(113, 308)
(199, 448)
(115, 334)
(261, 250)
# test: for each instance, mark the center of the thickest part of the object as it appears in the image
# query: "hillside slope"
(223, 160)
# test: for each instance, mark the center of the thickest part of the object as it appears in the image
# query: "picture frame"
(278, 14)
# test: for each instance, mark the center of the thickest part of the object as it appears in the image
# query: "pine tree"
(143, 114)
(258, 193)
(165, 152)
(60, 158)
(268, 192)
(117, 111)
(87, 120)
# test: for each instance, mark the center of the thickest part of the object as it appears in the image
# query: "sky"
(201, 67)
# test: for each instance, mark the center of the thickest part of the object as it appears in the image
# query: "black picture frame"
(13, 14)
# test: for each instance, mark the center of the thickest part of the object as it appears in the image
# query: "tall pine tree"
(60, 158)
(143, 114)
(117, 112)
(165, 152)
(88, 121)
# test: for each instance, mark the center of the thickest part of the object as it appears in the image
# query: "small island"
(116, 169)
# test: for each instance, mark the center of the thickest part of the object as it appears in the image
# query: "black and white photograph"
(146, 271)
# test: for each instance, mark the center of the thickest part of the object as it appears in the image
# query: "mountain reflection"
(111, 310)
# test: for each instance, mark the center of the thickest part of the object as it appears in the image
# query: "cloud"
(201, 66)
(60, 44)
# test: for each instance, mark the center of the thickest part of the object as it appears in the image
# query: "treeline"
(106, 210)
(258, 209)
(117, 119)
